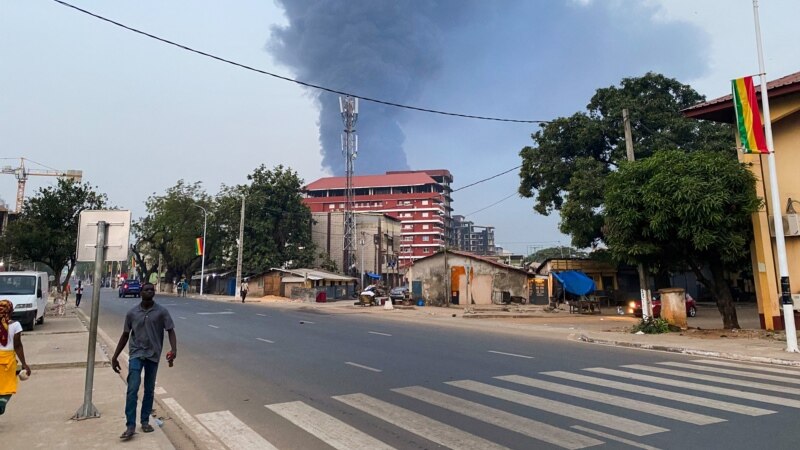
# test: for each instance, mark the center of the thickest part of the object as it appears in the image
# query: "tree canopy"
(684, 210)
(46, 231)
(555, 252)
(566, 168)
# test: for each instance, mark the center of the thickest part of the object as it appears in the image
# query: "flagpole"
(780, 241)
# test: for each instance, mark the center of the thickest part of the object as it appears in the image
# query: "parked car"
(130, 287)
(399, 293)
(635, 306)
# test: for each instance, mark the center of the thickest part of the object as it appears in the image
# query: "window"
(408, 227)
(426, 238)
(425, 203)
(331, 206)
(426, 226)
(426, 250)
(425, 214)
(341, 205)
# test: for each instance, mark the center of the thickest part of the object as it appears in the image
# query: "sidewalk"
(39, 415)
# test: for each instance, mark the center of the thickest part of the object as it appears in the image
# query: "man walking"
(78, 294)
(243, 289)
(144, 327)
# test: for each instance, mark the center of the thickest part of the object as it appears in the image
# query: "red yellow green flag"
(748, 118)
(198, 246)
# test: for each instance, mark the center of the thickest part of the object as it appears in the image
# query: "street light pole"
(203, 251)
(237, 292)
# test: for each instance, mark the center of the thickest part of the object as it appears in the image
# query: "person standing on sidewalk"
(144, 327)
(243, 289)
(10, 350)
(78, 294)
(67, 289)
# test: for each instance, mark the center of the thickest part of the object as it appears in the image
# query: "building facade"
(784, 100)
(420, 200)
(478, 239)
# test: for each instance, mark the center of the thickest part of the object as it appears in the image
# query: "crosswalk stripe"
(503, 419)
(329, 430)
(564, 409)
(713, 379)
(699, 387)
(660, 393)
(611, 437)
(233, 432)
(418, 424)
(740, 373)
(615, 400)
(204, 437)
(786, 371)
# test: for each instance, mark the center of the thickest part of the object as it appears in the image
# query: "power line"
(284, 78)
(487, 179)
(493, 204)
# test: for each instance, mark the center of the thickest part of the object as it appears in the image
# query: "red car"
(635, 306)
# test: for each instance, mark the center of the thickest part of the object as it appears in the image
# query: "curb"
(500, 316)
(68, 365)
(689, 351)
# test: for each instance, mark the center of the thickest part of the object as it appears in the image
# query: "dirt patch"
(701, 333)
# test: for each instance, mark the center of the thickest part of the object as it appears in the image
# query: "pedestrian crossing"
(594, 408)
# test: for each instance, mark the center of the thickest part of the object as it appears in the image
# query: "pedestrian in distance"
(243, 289)
(184, 286)
(78, 293)
(10, 349)
(144, 328)
(67, 289)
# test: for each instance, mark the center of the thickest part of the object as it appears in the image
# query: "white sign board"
(117, 234)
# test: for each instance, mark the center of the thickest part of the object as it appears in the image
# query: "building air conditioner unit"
(791, 225)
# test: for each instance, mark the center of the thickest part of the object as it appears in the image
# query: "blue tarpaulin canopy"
(575, 282)
(374, 276)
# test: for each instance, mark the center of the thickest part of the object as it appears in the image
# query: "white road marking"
(660, 393)
(787, 371)
(713, 379)
(611, 437)
(206, 438)
(511, 354)
(233, 432)
(213, 326)
(740, 373)
(699, 387)
(169, 304)
(363, 367)
(160, 390)
(329, 430)
(502, 419)
(265, 340)
(379, 334)
(214, 313)
(418, 424)
(262, 315)
(622, 402)
(563, 409)
(305, 321)
(179, 317)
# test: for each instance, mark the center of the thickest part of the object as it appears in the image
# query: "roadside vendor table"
(585, 305)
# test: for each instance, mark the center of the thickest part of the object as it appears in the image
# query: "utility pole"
(644, 289)
(349, 109)
(203, 251)
(780, 241)
(236, 292)
(447, 293)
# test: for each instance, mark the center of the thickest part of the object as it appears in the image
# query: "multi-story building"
(420, 199)
(477, 239)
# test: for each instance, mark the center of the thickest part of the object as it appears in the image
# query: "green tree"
(277, 226)
(567, 167)
(172, 224)
(47, 229)
(555, 252)
(684, 210)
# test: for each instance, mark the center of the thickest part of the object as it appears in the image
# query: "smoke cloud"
(383, 49)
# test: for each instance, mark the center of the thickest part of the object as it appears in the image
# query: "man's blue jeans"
(135, 366)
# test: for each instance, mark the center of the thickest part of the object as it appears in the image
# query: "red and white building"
(420, 199)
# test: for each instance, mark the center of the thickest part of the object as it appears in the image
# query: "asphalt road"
(252, 373)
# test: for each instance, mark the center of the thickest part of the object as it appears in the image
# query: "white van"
(29, 292)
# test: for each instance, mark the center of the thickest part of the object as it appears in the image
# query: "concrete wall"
(484, 285)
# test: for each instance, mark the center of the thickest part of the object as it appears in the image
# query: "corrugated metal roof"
(366, 181)
(314, 274)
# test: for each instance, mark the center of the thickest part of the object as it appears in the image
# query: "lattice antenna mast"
(349, 109)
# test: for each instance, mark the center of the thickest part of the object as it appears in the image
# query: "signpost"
(102, 236)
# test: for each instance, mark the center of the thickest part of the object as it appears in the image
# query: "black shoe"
(127, 434)
(147, 428)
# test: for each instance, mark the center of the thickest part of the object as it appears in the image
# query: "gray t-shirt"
(146, 327)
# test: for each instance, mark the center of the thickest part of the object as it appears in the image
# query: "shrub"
(651, 326)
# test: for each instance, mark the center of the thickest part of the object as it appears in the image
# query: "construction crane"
(22, 173)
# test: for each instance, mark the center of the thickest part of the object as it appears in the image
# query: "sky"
(136, 115)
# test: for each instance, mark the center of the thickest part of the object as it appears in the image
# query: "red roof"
(721, 109)
(367, 181)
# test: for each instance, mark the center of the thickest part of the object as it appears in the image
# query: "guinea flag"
(198, 246)
(748, 118)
